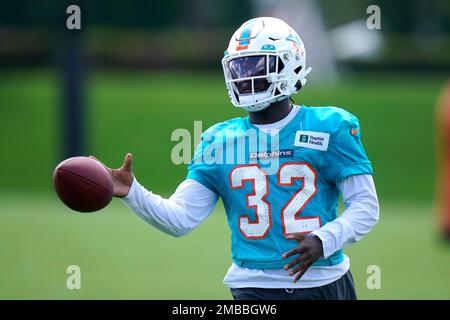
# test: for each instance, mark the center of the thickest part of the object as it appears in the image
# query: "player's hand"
(310, 249)
(122, 177)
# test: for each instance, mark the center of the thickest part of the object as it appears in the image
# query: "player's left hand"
(310, 249)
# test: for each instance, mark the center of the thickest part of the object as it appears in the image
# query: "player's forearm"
(157, 211)
(175, 216)
(360, 216)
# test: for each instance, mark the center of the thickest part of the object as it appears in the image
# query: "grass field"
(122, 257)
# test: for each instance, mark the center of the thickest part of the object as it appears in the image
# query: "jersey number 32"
(291, 219)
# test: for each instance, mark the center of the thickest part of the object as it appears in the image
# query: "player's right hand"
(122, 177)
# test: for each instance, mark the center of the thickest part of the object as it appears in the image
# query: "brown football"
(83, 184)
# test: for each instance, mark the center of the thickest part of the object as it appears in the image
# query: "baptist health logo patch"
(312, 140)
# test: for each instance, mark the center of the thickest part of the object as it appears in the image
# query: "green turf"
(120, 256)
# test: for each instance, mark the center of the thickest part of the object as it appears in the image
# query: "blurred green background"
(147, 73)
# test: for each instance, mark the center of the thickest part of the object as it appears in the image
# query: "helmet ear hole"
(298, 85)
(298, 69)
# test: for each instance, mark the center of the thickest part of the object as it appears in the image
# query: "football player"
(286, 235)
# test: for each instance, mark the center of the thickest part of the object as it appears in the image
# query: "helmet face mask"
(255, 80)
(257, 73)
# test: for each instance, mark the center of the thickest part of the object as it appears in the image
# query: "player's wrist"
(129, 186)
(318, 243)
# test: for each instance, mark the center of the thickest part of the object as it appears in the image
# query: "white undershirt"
(192, 203)
(274, 128)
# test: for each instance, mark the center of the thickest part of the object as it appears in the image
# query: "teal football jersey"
(282, 184)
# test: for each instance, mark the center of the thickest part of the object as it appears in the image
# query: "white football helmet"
(265, 62)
